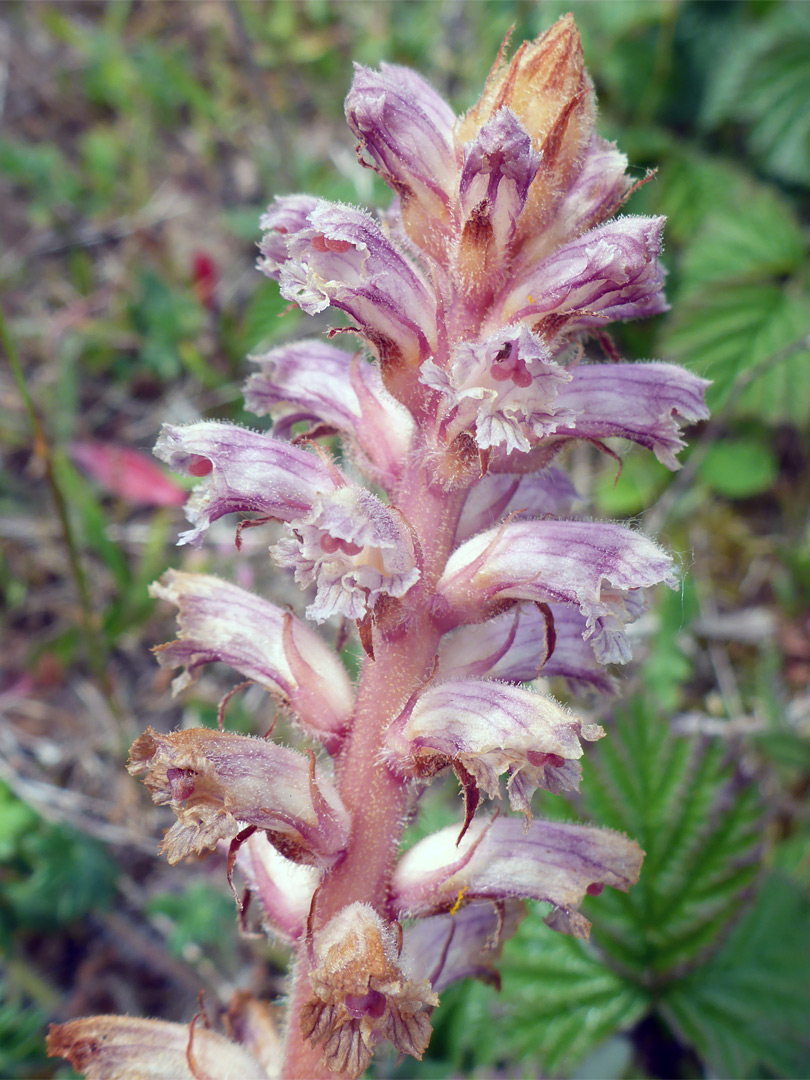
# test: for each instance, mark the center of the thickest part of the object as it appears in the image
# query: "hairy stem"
(378, 801)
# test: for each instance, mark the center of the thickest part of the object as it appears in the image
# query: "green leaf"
(739, 468)
(201, 915)
(263, 317)
(16, 820)
(746, 1010)
(724, 332)
(688, 186)
(700, 829)
(559, 1001)
(562, 1001)
(752, 236)
(761, 81)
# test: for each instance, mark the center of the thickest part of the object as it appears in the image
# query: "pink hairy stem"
(377, 800)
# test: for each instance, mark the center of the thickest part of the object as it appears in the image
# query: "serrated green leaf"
(638, 484)
(724, 332)
(746, 1009)
(700, 832)
(750, 237)
(688, 186)
(559, 1002)
(761, 80)
(263, 317)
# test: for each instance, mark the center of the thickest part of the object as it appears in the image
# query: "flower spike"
(423, 502)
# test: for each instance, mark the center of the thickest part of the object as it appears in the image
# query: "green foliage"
(699, 827)
(664, 948)
(761, 82)
(168, 323)
(51, 874)
(738, 468)
(743, 312)
(631, 488)
(21, 1027)
(746, 1010)
(201, 915)
(731, 333)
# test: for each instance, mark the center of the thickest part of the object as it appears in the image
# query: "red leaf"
(129, 474)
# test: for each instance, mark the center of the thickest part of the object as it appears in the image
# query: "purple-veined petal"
(311, 380)
(597, 190)
(242, 470)
(282, 888)
(127, 1047)
(489, 728)
(341, 257)
(285, 216)
(513, 646)
(217, 783)
(547, 860)
(600, 187)
(597, 566)
(545, 493)
(220, 621)
(517, 647)
(611, 272)
(406, 129)
(573, 658)
(504, 389)
(354, 550)
(499, 166)
(465, 945)
(641, 402)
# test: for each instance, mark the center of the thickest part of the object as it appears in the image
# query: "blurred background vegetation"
(139, 144)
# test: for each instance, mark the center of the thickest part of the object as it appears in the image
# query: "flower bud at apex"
(547, 88)
(361, 994)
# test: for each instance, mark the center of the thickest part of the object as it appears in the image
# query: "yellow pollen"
(459, 898)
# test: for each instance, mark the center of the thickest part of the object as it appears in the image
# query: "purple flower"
(282, 888)
(504, 389)
(612, 272)
(443, 535)
(406, 129)
(338, 256)
(242, 470)
(314, 381)
(354, 550)
(548, 860)
(643, 402)
(483, 729)
(220, 621)
(463, 945)
(217, 783)
(598, 567)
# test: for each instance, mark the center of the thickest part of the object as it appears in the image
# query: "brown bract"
(545, 84)
(361, 994)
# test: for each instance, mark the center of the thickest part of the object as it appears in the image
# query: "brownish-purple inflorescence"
(448, 535)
